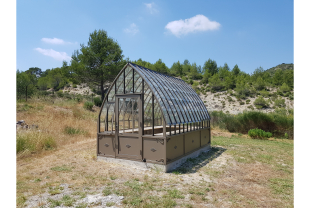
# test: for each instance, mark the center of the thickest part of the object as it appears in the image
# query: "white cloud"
(133, 29)
(54, 41)
(151, 7)
(60, 56)
(191, 25)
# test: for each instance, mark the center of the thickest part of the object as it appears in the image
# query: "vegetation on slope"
(280, 123)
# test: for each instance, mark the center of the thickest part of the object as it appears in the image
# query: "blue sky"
(247, 33)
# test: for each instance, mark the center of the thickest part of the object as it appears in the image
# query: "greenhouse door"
(128, 131)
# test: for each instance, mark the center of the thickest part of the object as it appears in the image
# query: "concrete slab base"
(158, 167)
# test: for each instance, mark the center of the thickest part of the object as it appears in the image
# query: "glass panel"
(111, 95)
(121, 107)
(128, 115)
(120, 84)
(138, 83)
(111, 117)
(127, 70)
(157, 114)
(128, 80)
(103, 117)
(147, 110)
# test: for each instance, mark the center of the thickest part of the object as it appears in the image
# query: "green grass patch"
(63, 168)
(110, 204)
(175, 194)
(54, 203)
(282, 186)
(67, 200)
(71, 131)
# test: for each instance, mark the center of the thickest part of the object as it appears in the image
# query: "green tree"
(205, 78)
(210, 66)
(216, 83)
(56, 79)
(194, 72)
(288, 78)
(226, 67)
(242, 89)
(285, 88)
(177, 69)
(34, 71)
(25, 84)
(99, 61)
(161, 67)
(223, 72)
(278, 77)
(43, 83)
(186, 66)
(230, 81)
(259, 72)
(145, 64)
(236, 70)
(260, 102)
(259, 84)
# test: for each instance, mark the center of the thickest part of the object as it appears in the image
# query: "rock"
(20, 122)
(93, 198)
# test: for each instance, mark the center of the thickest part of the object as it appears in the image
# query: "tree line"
(101, 59)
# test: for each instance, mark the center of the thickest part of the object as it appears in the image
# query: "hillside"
(220, 102)
(282, 66)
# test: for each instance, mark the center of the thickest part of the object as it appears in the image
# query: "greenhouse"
(149, 117)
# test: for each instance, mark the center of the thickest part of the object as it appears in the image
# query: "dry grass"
(53, 121)
(240, 172)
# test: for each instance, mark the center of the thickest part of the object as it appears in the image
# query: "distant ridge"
(282, 66)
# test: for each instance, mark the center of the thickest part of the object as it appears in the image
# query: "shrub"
(79, 98)
(285, 88)
(74, 86)
(260, 102)
(241, 103)
(259, 134)
(67, 96)
(277, 123)
(229, 99)
(264, 93)
(247, 101)
(279, 92)
(195, 84)
(60, 93)
(291, 97)
(32, 142)
(88, 105)
(97, 101)
(279, 103)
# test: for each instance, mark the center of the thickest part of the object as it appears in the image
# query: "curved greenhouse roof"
(177, 101)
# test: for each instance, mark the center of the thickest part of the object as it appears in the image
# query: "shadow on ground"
(192, 165)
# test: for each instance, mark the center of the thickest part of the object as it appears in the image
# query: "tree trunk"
(102, 93)
(26, 93)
